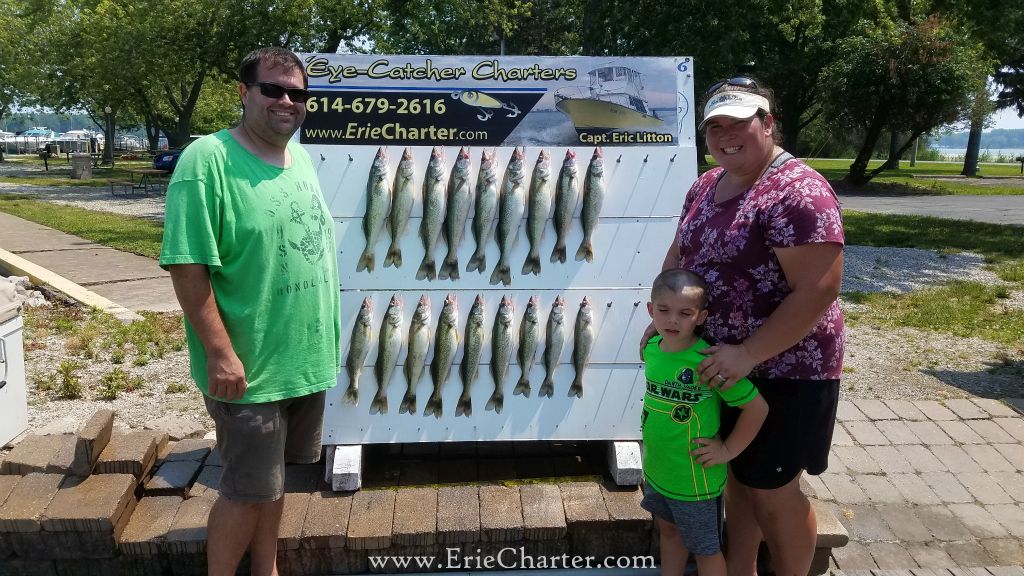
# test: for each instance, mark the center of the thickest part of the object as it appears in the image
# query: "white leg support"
(329, 464)
(345, 468)
(624, 462)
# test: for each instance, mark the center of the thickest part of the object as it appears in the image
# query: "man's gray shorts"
(699, 523)
(255, 441)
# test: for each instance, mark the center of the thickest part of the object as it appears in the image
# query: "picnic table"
(141, 181)
(97, 159)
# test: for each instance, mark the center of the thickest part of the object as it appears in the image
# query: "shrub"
(45, 382)
(176, 388)
(69, 386)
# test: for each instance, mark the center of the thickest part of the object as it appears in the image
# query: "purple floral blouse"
(731, 245)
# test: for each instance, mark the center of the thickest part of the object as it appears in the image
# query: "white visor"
(734, 104)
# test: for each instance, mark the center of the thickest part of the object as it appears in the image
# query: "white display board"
(644, 188)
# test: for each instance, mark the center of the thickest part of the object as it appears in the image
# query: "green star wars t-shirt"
(267, 238)
(677, 410)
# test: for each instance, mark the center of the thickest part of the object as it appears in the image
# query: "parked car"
(168, 160)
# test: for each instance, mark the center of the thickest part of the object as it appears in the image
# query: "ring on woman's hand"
(722, 378)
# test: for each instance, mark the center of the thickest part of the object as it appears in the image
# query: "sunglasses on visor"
(275, 91)
(738, 81)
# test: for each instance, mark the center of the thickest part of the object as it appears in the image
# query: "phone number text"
(377, 105)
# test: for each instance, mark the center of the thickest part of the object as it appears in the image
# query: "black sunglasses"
(738, 81)
(276, 91)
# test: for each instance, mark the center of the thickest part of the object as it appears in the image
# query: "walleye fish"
(446, 343)
(470, 367)
(359, 346)
(593, 197)
(583, 344)
(539, 204)
(484, 210)
(511, 205)
(389, 343)
(455, 219)
(433, 212)
(553, 347)
(565, 203)
(501, 352)
(378, 196)
(529, 331)
(401, 206)
(415, 360)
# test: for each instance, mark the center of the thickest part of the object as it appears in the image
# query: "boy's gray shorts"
(699, 523)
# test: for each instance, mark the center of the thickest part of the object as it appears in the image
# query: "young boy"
(684, 461)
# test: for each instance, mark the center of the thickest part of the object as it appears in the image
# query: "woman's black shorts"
(796, 435)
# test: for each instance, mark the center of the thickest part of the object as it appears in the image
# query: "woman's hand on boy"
(725, 365)
(648, 334)
(711, 451)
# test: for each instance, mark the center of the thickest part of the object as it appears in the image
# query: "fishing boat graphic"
(614, 100)
(485, 103)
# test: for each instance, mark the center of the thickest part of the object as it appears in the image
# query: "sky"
(1007, 119)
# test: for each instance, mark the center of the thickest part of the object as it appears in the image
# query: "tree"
(998, 25)
(153, 59)
(447, 26)
(791, 43)
(906, 77)
(12, 59)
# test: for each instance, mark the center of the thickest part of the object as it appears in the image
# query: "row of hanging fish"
(446, 204)
(446, 343)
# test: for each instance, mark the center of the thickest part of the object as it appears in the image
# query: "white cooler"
(13, 396)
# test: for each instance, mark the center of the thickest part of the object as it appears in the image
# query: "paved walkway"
(989, 571)
(923, 484)
(994, 209)
(133, 281)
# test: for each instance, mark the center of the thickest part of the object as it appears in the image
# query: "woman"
(764, 231)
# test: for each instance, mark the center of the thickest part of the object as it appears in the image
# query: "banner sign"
(495, 101)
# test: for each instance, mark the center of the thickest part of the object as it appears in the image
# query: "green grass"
(60, 175)
(1012, 271)
(916, 181)
(997, 242)
(966, 309)
(837, 168)
(126, 233)
(959, 308)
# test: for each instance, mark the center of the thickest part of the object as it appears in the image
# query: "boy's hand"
(711, 451)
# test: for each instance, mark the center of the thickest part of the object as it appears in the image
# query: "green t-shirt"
(267, 238)
(677, 410)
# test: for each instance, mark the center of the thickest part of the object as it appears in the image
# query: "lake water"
(959, 153)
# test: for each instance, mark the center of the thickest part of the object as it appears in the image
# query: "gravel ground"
(89, 197)
(873, 269)
(901, 363)
(96, 198)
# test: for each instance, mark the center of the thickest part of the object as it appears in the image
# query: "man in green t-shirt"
(684, 461)
(249, 243)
